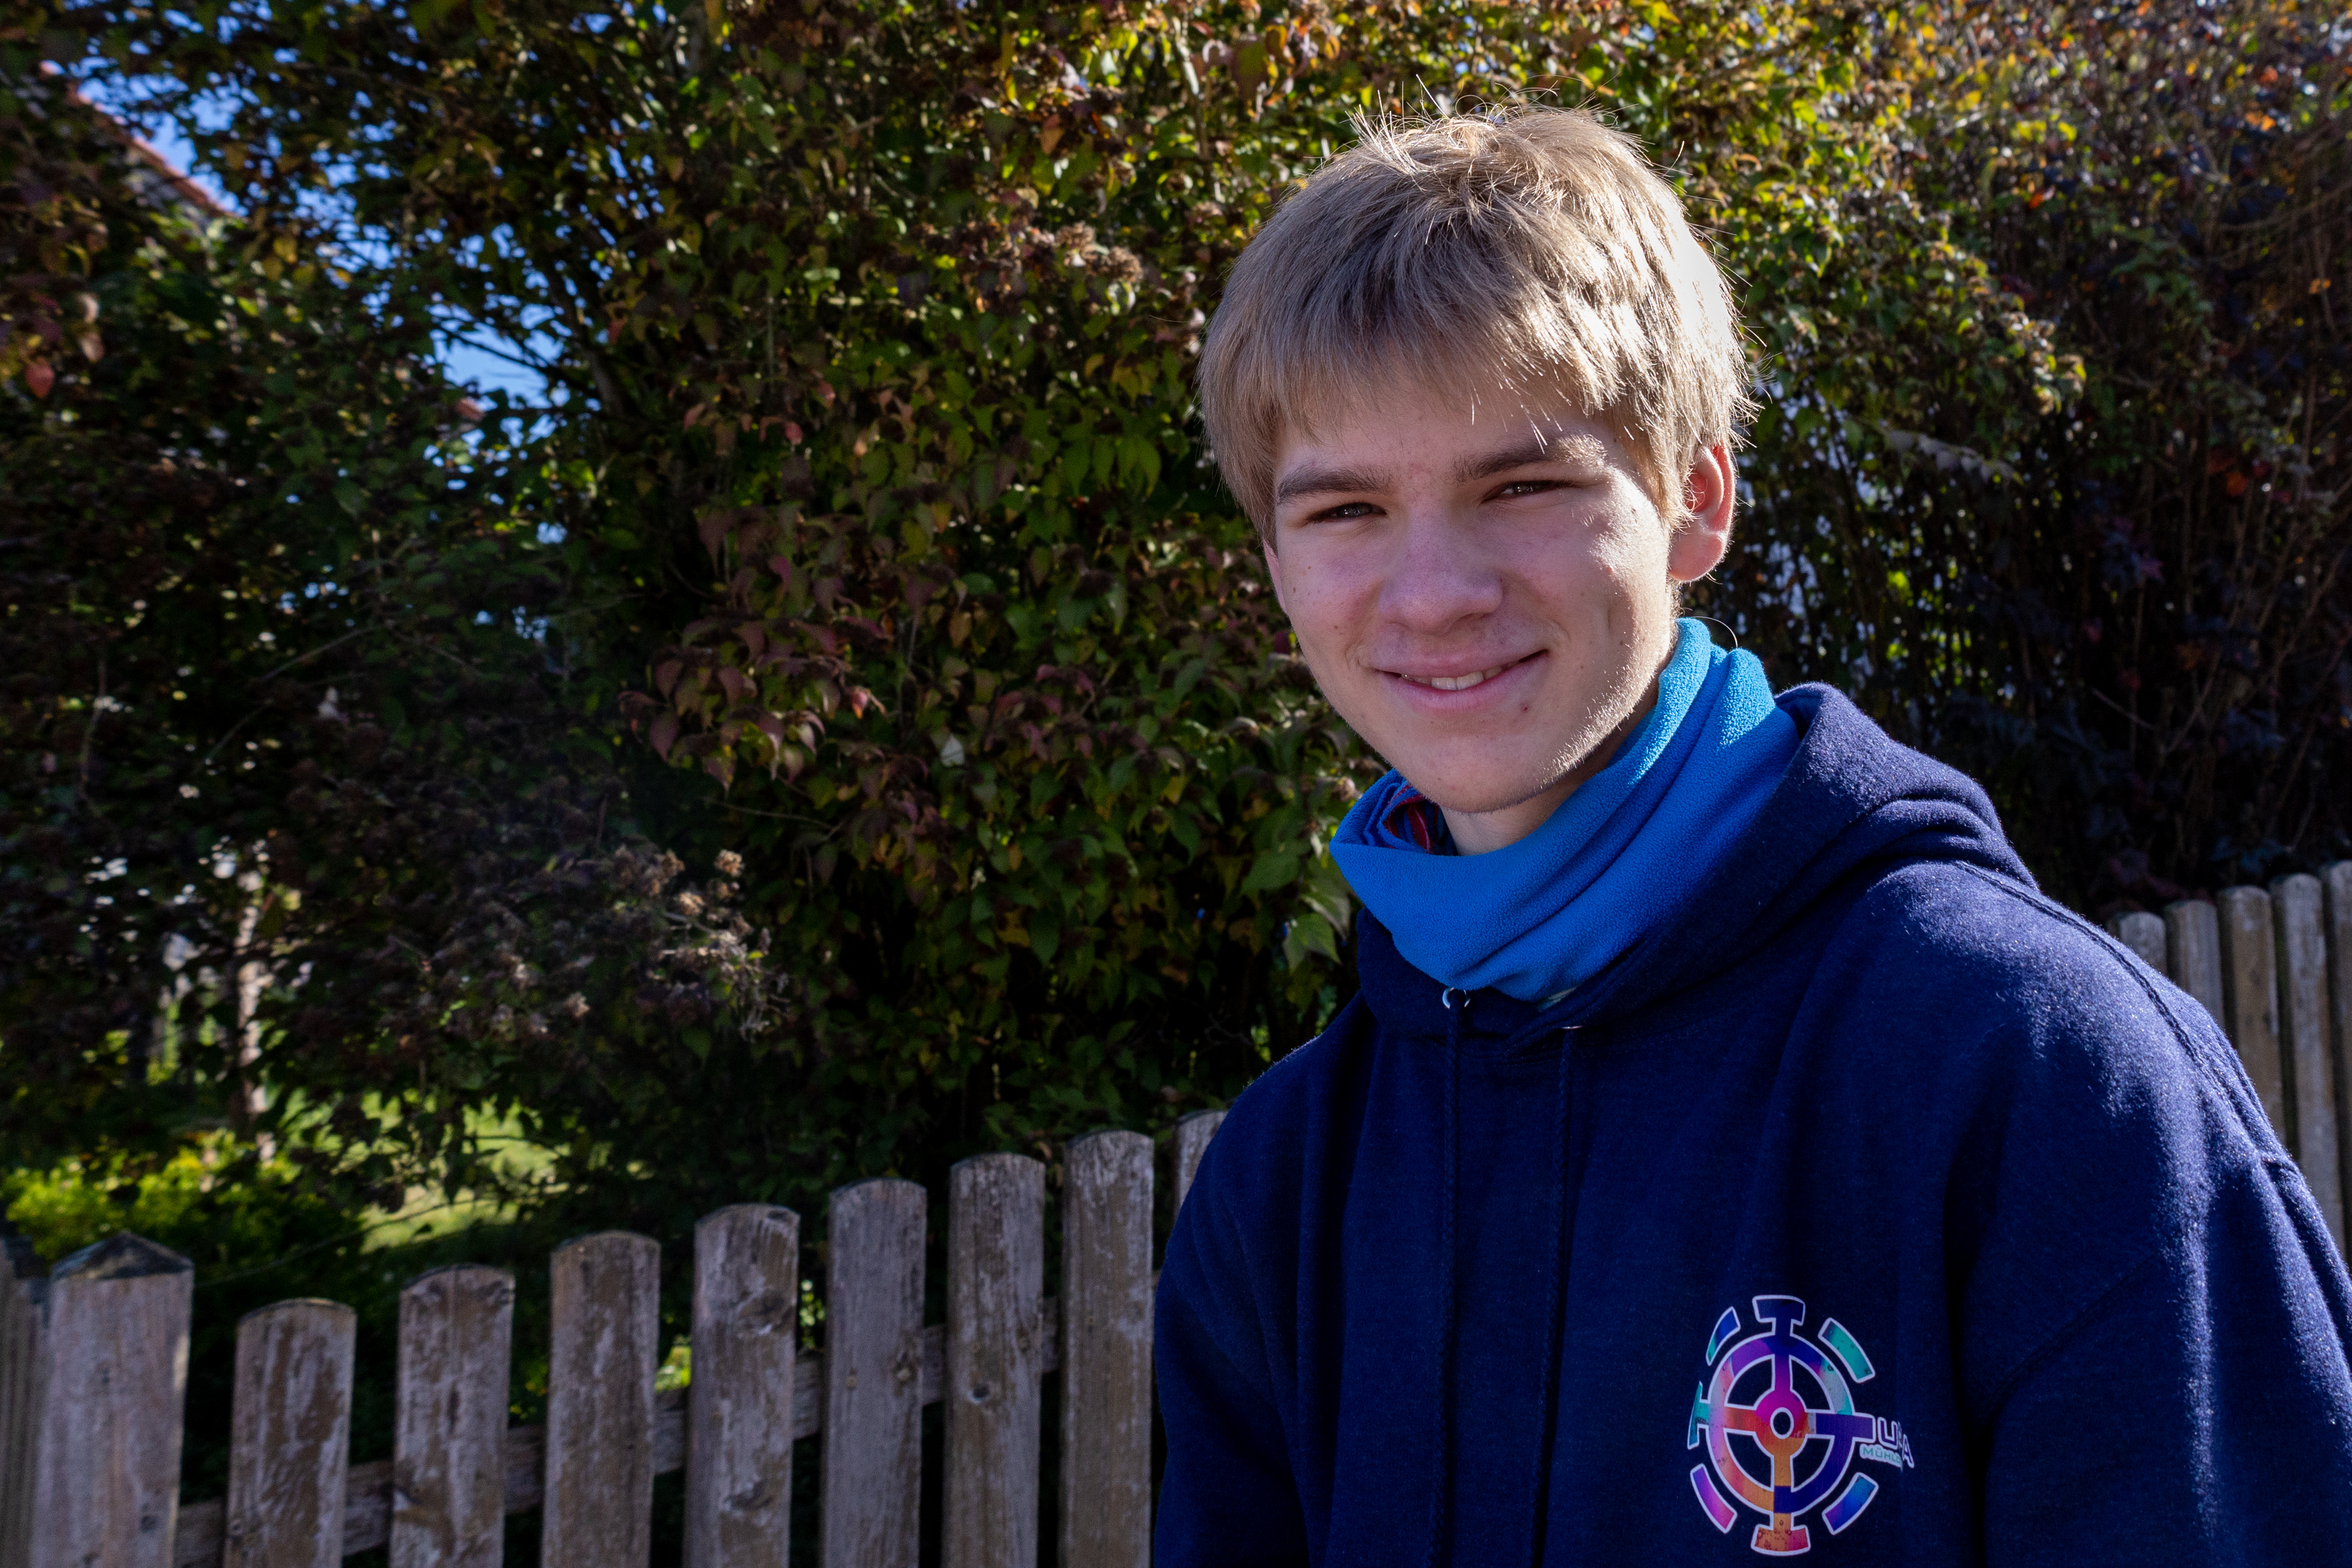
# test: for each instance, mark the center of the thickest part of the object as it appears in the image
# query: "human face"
(1487, 600)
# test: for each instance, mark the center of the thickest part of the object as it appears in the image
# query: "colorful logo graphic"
(1780, 1430)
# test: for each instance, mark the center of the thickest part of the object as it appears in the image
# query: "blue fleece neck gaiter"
(1538, 918)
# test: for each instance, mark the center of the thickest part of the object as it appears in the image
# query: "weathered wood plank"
(872, 1475)
(107, 1490)
(1105, 1358)
(371, 1494)
(291, 1435)
(597, 1510)
(2335, 885)
(1192, 1136)
(24, 1292)
(2299, 919)
(2143, 934)
(2193, 932)
(739, 1456)
(2250, 1001)
(449, 1418)
(996, 1285)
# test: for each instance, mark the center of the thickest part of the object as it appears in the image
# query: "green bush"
(862, 557)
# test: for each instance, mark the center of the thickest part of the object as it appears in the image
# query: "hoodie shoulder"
(2081, 1112)
(2037, 974)
(1264, 1129)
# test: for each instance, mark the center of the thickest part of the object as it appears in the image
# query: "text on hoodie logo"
(1777, 1419)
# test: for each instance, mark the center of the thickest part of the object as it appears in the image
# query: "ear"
(1708, 494)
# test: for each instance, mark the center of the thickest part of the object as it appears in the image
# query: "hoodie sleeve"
(2200, 1412)
(1228, 1497)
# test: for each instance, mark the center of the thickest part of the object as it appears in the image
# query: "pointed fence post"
(2250, 1001)
(996, 1287)
(107, 1490)
(871, 1457)
(739, 1412)
(2193, 932)
(449, 1418)
(2301, 924)
(1106, 1352)
(598, 1504)
(291, 1435)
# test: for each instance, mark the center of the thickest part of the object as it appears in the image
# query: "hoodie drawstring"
(1555, 1311)
(1441, 1508)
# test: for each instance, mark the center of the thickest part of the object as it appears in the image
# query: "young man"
(1730, 1152)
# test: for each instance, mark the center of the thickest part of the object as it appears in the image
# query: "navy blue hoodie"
(1873, 1206)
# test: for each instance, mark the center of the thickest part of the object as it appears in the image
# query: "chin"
(1479, 796)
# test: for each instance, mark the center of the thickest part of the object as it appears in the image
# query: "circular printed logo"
(1777, 1422)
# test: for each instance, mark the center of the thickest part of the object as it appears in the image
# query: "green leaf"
(1275, 868)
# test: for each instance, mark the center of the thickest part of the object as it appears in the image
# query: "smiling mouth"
(1458, 683)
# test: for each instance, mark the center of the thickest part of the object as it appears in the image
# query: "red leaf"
(664, 734)
(39, 378)
(714, 525)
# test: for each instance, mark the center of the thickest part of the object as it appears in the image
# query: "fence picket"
(1106, 1359)
(108, 1486)
(597, 1503)
(996, 1286)
(1192, 1136)
(291, 1435)
(872, 1457)
(2250, 1001)
(2302, 965)
(739, 1456)
(448, 1445)
(2192, 930)
(24, 1295)
(2336, 886)
(2143, 934)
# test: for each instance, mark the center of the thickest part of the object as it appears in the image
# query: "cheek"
(1322, 600)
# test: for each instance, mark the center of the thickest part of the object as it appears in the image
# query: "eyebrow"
(1533, 449)
(1314, 481)
(1324, 482)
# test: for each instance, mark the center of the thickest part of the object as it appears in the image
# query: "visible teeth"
(1458, 683)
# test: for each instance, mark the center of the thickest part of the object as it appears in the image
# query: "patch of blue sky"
(474, 357)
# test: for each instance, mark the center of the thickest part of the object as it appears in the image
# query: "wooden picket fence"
(2274, 967)
(93, 1356)
(93, 1371)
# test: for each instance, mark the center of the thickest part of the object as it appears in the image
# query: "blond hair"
(1530, 258)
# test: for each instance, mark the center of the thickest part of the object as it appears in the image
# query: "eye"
(1526, 488)
(1346, 511)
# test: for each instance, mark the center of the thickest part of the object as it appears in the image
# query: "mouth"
(1459, 682)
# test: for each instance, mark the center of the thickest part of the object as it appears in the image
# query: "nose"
(1437, 576)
